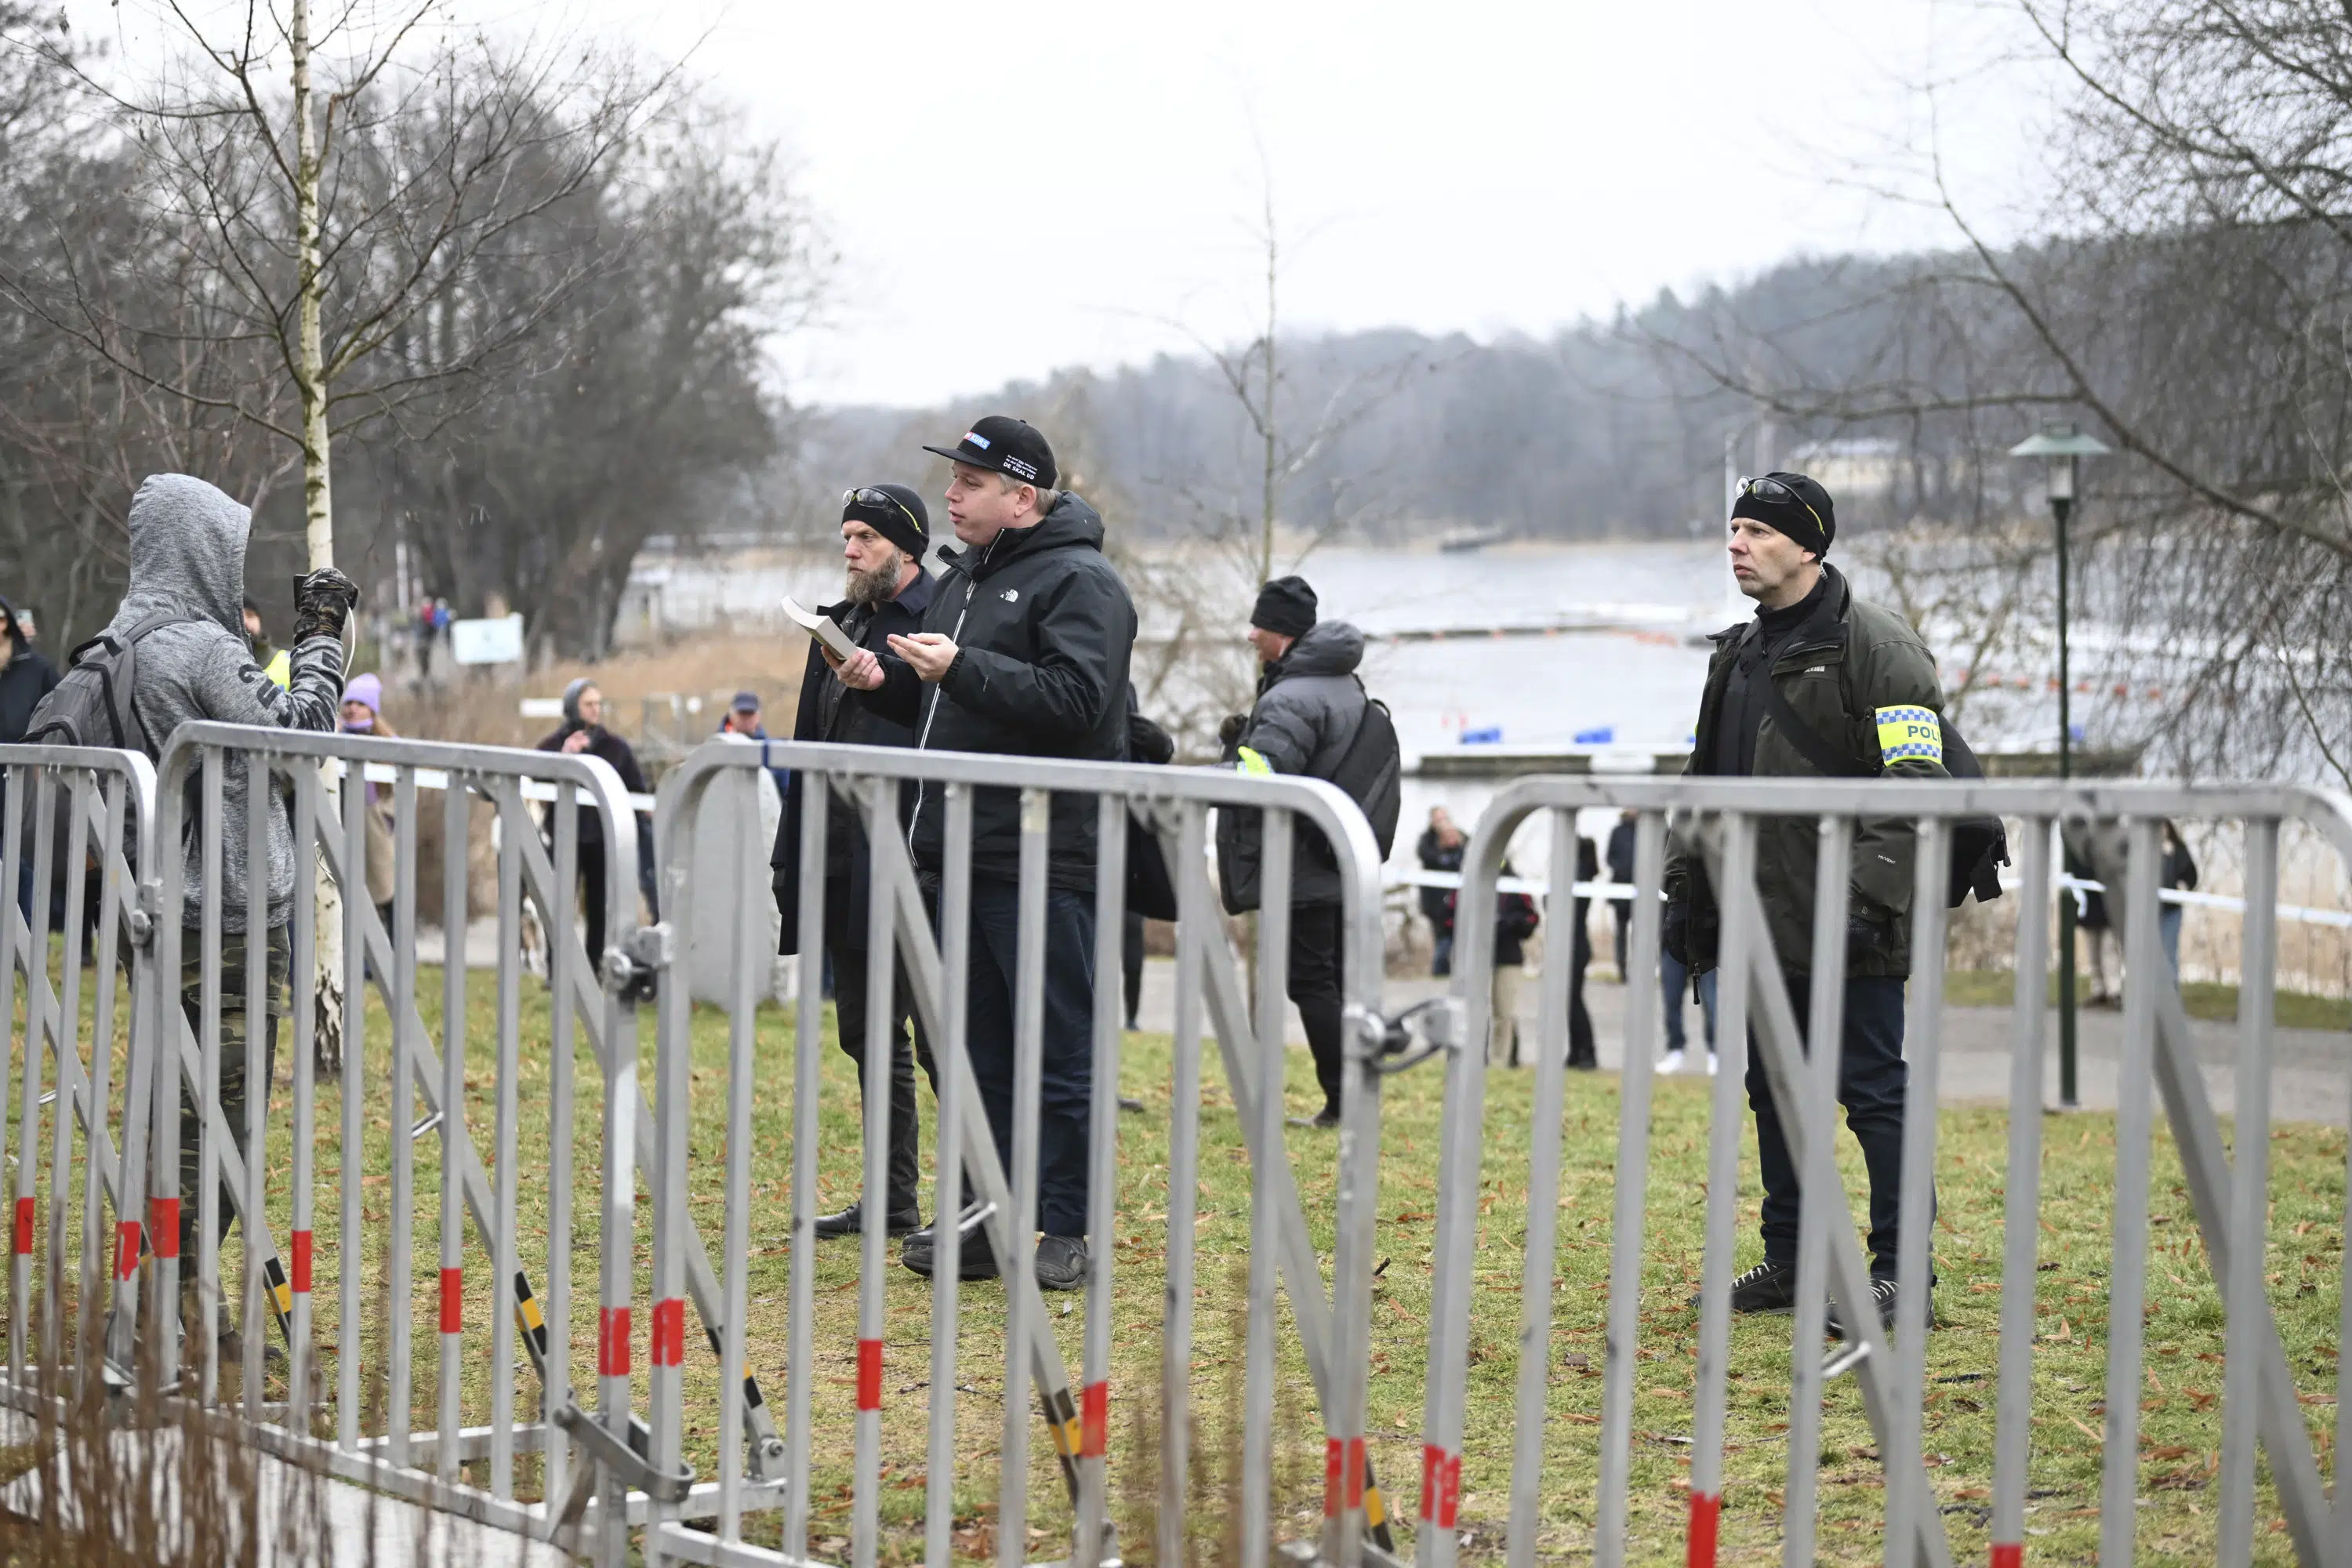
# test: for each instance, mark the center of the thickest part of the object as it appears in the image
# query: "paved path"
(2311, 1078)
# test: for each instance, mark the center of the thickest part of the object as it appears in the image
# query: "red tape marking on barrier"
(453, 1301)
(1094, 1420)
(870, 1375)
(24, 1227)
(613, 1342)
(1331, 1451)
(2009, 1554)
(1355, 1473)
(1705, 1511)
(302, 1262)
(163, 1226)
(127, 1253)
(670, 1333)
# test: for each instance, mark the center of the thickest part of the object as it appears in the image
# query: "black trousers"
(590, 864)
(1131, 956)
(844, 944)
(1066, 1082)
(1315, 989)
(1581, 1052)
(1873, 1084)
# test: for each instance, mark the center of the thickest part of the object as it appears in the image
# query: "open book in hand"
(822, 627)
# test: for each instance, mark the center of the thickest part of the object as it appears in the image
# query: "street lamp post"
(2061, 449)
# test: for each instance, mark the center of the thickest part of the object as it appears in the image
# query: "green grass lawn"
(2182, 1419)
(2202, 998)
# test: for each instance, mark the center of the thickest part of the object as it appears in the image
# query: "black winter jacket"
(1044, 629)
(828, 712)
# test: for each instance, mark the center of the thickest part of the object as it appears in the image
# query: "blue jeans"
(1068, 1101)
(1873, 1081)
(1673, 982)
(2168, 926)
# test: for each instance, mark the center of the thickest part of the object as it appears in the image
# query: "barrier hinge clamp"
(1412, 1036)
(633, 969)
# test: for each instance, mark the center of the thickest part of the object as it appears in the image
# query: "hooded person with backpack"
(1313, 717)
(179, 636)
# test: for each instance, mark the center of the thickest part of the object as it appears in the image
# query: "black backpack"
(91, 706)
(1372, 773)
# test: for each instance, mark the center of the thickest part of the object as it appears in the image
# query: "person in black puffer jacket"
(1024, 652)
(583, 731)
(25, 677)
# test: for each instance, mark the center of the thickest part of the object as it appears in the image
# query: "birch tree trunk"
(318, 507)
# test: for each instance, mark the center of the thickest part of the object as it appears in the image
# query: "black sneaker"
(1327, 1116)
(1768, 1287)
(851, 1221)
(974, 1261)
(1060, 1262)
(1882, 1295)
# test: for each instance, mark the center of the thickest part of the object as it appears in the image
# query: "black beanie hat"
(1286, 606)
(901, 519)
(1809, 519)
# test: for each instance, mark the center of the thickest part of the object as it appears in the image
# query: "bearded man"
(885, 532)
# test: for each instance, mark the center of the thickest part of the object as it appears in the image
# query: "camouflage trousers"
(235, 1052)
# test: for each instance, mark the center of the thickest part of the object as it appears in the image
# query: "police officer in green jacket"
(1818, 677)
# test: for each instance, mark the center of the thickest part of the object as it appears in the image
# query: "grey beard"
(878, 586)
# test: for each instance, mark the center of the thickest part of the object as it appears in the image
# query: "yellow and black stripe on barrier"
(1062, 1418)
(528, 1318)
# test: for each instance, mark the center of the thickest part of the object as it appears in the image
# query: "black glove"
(1674, 935)
(1229, 733)
(322, 605)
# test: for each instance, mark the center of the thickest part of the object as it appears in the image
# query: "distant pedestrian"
(583, 731)
(2178, 870)
(1440, 850)
(742, 718)
(885, 534)
(25, 677)
(1515, 922)
(1024, 652)
(364, 715)
(184, 609)
(2098, 934)
(1621, 871)
(1850, 681)
(1582, 1053)
(1674, 988)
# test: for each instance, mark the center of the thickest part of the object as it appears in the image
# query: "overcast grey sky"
(1018, 187)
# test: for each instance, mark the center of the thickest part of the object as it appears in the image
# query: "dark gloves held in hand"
(323, 603)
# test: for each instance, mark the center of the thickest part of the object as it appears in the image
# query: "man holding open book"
(1024, 652)
(884, 535)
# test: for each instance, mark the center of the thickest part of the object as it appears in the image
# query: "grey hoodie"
(187, 554)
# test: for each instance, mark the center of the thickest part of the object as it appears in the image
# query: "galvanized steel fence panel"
(936, 956)
(1718, 819)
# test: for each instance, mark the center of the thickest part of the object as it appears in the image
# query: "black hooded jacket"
(1043, 629)
(25, 679)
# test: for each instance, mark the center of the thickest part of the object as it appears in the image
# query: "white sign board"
(487, 642)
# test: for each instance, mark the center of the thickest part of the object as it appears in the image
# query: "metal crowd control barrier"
(65, 804)
(426, 1464)
(1173, 803)
(2117, 826)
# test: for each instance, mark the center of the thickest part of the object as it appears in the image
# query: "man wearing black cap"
(1309, 706)
(885, 532)
(1023, 652)
(1820, 684)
